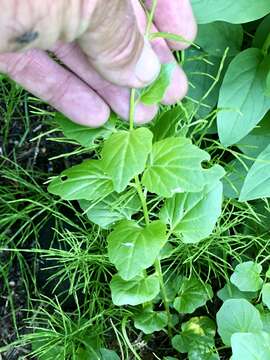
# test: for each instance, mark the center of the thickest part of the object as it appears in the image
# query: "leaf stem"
(143, 199)
(132, 109)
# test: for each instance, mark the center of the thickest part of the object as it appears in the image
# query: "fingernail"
(148, 66)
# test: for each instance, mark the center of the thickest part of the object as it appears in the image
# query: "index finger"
(176, 17)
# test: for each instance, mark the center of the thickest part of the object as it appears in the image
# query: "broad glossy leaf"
(257, 182)
(246, 276)
(202, 70)
(197, 335)
(85, 135)
(125, 154)
(151, 321)
(266, 294)
(251, 346)
(231, 11)
(242, 102)
(85, 181)
(134, 292)
(237, 315)
(154, 93)
(257, 140)
(132, 248)
(110, 210)
(192, 295)
(193, 215)
(175, 166)
(229, 291)
(199, 355)
(223, 35)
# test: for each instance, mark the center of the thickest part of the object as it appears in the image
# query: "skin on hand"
(101, 42)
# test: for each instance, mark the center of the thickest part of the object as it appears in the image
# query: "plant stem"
(164, 295)
(142, 197)
(151, 18)
(143, 200)
(132, 109)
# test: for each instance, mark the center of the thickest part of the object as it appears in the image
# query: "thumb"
(116, 48)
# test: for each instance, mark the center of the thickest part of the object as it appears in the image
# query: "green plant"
(175, 214)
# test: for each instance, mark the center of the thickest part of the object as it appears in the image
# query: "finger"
(117, 97)
(179, 85)
(175, 16)
(40, 75)
(116, 48)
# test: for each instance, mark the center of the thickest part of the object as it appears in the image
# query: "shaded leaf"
(257, 182)
(134, 292)
(150, 321)
(154, 93)
(192, 295)
(84, 181)
(223, 35)
(110, 210)
(229, 291)
(242, 102)
(84, 135)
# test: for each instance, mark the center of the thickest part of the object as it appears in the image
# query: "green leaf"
(267, 84)
(150, 321)
(202, 70)
(84, 135)
(85, 181)
(154, 93)
(229, 291)
(199, 355)
(242, 102)
(236, 173)
(193, 215)
(175, 166)
(125, 154)
(236, 12)
(110, 210)
(132, 248)
(197, 335)
(108, 354)
(251, 346)
(237, 315)
(266, 294)
(261, 33)
(166, 124)
(223, 35)
(246, 276)
(192, 295)
(257, 182)
(257, 140)
(134, 292)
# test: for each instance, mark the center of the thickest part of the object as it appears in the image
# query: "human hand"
(102, 48)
